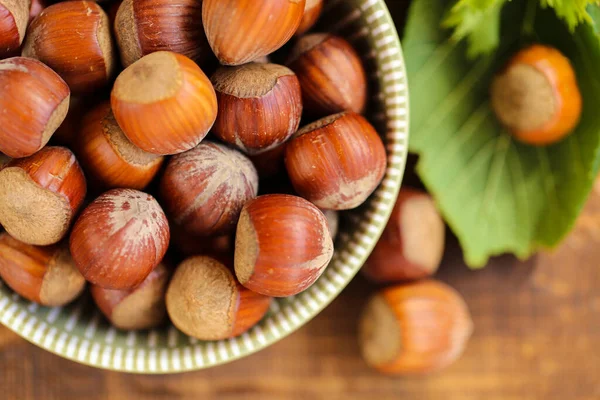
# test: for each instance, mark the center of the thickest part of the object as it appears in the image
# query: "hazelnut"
(109, 158)
(240, 31)
(204, 189)
(205, 301)
(164, 103)
(414, 329)
(331, 75)
(312, 12)
(412, 244)
(36, 8)
(282, 245)
(73, 38)
(44, 275)
(140, 308)
(14, 17)
(34, 101)
(40, 195)
(260, 106)
(145, 26)
(336, 162)
(536, 96)
(119, 239)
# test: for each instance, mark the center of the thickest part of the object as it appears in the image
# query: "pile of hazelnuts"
(122, 153)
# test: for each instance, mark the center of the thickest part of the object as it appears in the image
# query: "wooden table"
(537, 336)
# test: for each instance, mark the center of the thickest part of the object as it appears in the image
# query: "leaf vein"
(447, 105)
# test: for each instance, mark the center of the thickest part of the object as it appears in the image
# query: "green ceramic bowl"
(78, 332)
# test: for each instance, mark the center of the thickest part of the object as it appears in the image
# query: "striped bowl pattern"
(79, 333)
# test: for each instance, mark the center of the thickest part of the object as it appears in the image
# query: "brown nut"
(37, 6)
(336, 162)
(140, 308)
(44, 275)
(14, 17)
(164, 103)
(282, 245)
(312, 12)
(414, 329)
(412, 244)
(40, 195)
(34, 100)
(119, 239)
(203, 190)
(204, 300)
(146, 26)
(260, 106)
(109, 158)
(74, 39)
(331, 75)
(536, 96)
(240, 31)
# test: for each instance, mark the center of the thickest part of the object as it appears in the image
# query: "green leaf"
(572, 11)
(496, 194)
(479, 22)
(594, 13)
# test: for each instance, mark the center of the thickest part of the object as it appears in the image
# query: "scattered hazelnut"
(536, 96)
(34, 101)
(14, 17)
(412, 244)
(119, 239)
(312, 12)
(140, 308)
(205, 301)
(240, 31)
(414, 329)
(74, 39)
(331, 75)
(336, 162)
(282, 245)
(109, 158)
(260, 106)
(145, 26)
(164, 103)
(44, 275)
(40, 195)
(203, 190)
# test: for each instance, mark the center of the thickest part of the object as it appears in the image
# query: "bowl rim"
(17, 314)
